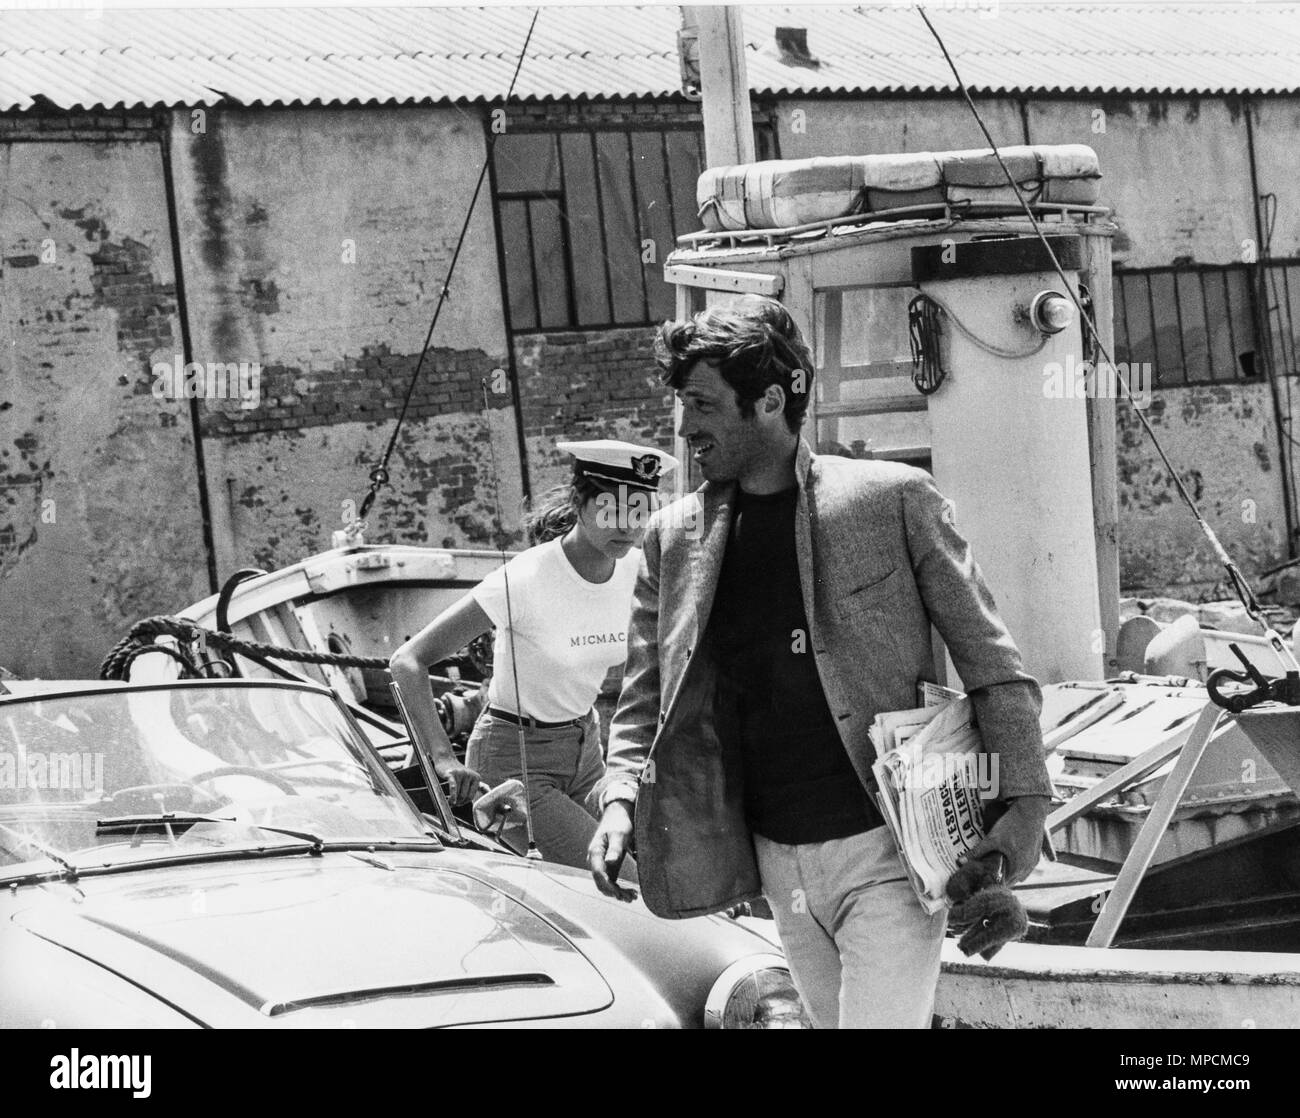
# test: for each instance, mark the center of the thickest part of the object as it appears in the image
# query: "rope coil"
(142, 639)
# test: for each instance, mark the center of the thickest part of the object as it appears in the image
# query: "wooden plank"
(1116, 904)
(721, 279)
(1103, 453)
(1117, 781)
(872, 405)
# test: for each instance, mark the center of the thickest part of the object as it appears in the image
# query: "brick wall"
(369, 387)
(588, 385)
(581, 114)
(94, 127)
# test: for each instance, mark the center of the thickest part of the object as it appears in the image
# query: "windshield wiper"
(116, 824)
(119, 824)
(70, 872)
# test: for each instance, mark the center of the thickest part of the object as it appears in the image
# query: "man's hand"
(463, 783)
(1018, 834)
(608, 849)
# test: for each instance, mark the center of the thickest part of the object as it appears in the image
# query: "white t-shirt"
(570, 632)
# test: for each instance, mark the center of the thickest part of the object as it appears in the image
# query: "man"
(777, 610)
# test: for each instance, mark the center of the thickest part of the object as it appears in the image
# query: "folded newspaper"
(933, 776)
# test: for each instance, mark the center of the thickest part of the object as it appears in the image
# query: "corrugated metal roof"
(143, 58)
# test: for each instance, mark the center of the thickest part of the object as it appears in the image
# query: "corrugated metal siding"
(154, 57)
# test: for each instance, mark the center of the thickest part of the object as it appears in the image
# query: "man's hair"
(754, 343)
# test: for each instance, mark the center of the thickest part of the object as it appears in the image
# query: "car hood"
(336, 940)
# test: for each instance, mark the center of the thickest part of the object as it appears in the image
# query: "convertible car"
(237, 852)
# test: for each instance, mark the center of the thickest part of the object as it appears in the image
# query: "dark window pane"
(1291, 316)
(623, 244)
(517, 246)
(1117, 289)
(586, 230)
(548, 257)
(1196, 339)
(1284, 295)
(1277, 316)
(1137, 308)
(1222, 347)
(1169, 337)
(656, 219)
(1240, 302)
(684, 165)
(764, 142)
(526, 164)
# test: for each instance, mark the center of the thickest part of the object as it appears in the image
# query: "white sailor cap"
(612, 460)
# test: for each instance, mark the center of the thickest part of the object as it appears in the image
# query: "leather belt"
(532, 723)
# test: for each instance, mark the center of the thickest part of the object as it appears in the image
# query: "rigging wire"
(379, 475)
(1239, 584)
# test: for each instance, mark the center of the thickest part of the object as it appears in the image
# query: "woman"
(569, 599)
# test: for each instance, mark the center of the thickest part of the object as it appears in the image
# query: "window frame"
(766, 142)
(1233, 318)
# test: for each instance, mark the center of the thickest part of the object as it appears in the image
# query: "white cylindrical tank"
(1009, 433)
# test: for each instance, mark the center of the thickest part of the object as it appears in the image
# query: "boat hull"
(1043, 986)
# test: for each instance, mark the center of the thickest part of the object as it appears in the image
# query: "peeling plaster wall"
(99, 521)
(283, 503)
(1177, 174)
(867, 126)
(1223, 441)
(1277, 127)
(315, 242)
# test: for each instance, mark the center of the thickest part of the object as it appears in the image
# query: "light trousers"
(862, 951)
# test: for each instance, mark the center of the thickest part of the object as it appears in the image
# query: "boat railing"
(1274, 730)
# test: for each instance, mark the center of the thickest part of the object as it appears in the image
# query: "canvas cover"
(777, 194)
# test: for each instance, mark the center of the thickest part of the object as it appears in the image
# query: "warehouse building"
(276, 196)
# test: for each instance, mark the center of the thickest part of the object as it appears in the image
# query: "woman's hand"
(463, 783)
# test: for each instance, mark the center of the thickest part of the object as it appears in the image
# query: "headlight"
(755, 992)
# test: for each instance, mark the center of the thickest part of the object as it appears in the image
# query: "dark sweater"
(771, 712)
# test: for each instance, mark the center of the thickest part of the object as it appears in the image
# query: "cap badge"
(647, 466)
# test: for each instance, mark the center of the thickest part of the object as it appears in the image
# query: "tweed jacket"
(880, 561)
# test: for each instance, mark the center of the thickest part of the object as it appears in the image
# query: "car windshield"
(109, 778)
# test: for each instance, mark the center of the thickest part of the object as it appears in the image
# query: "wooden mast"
(717, 34)
(724, 84)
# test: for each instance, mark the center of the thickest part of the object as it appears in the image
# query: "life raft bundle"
(779, 193)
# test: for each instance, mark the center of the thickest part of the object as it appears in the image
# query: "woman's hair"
(554, 512)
